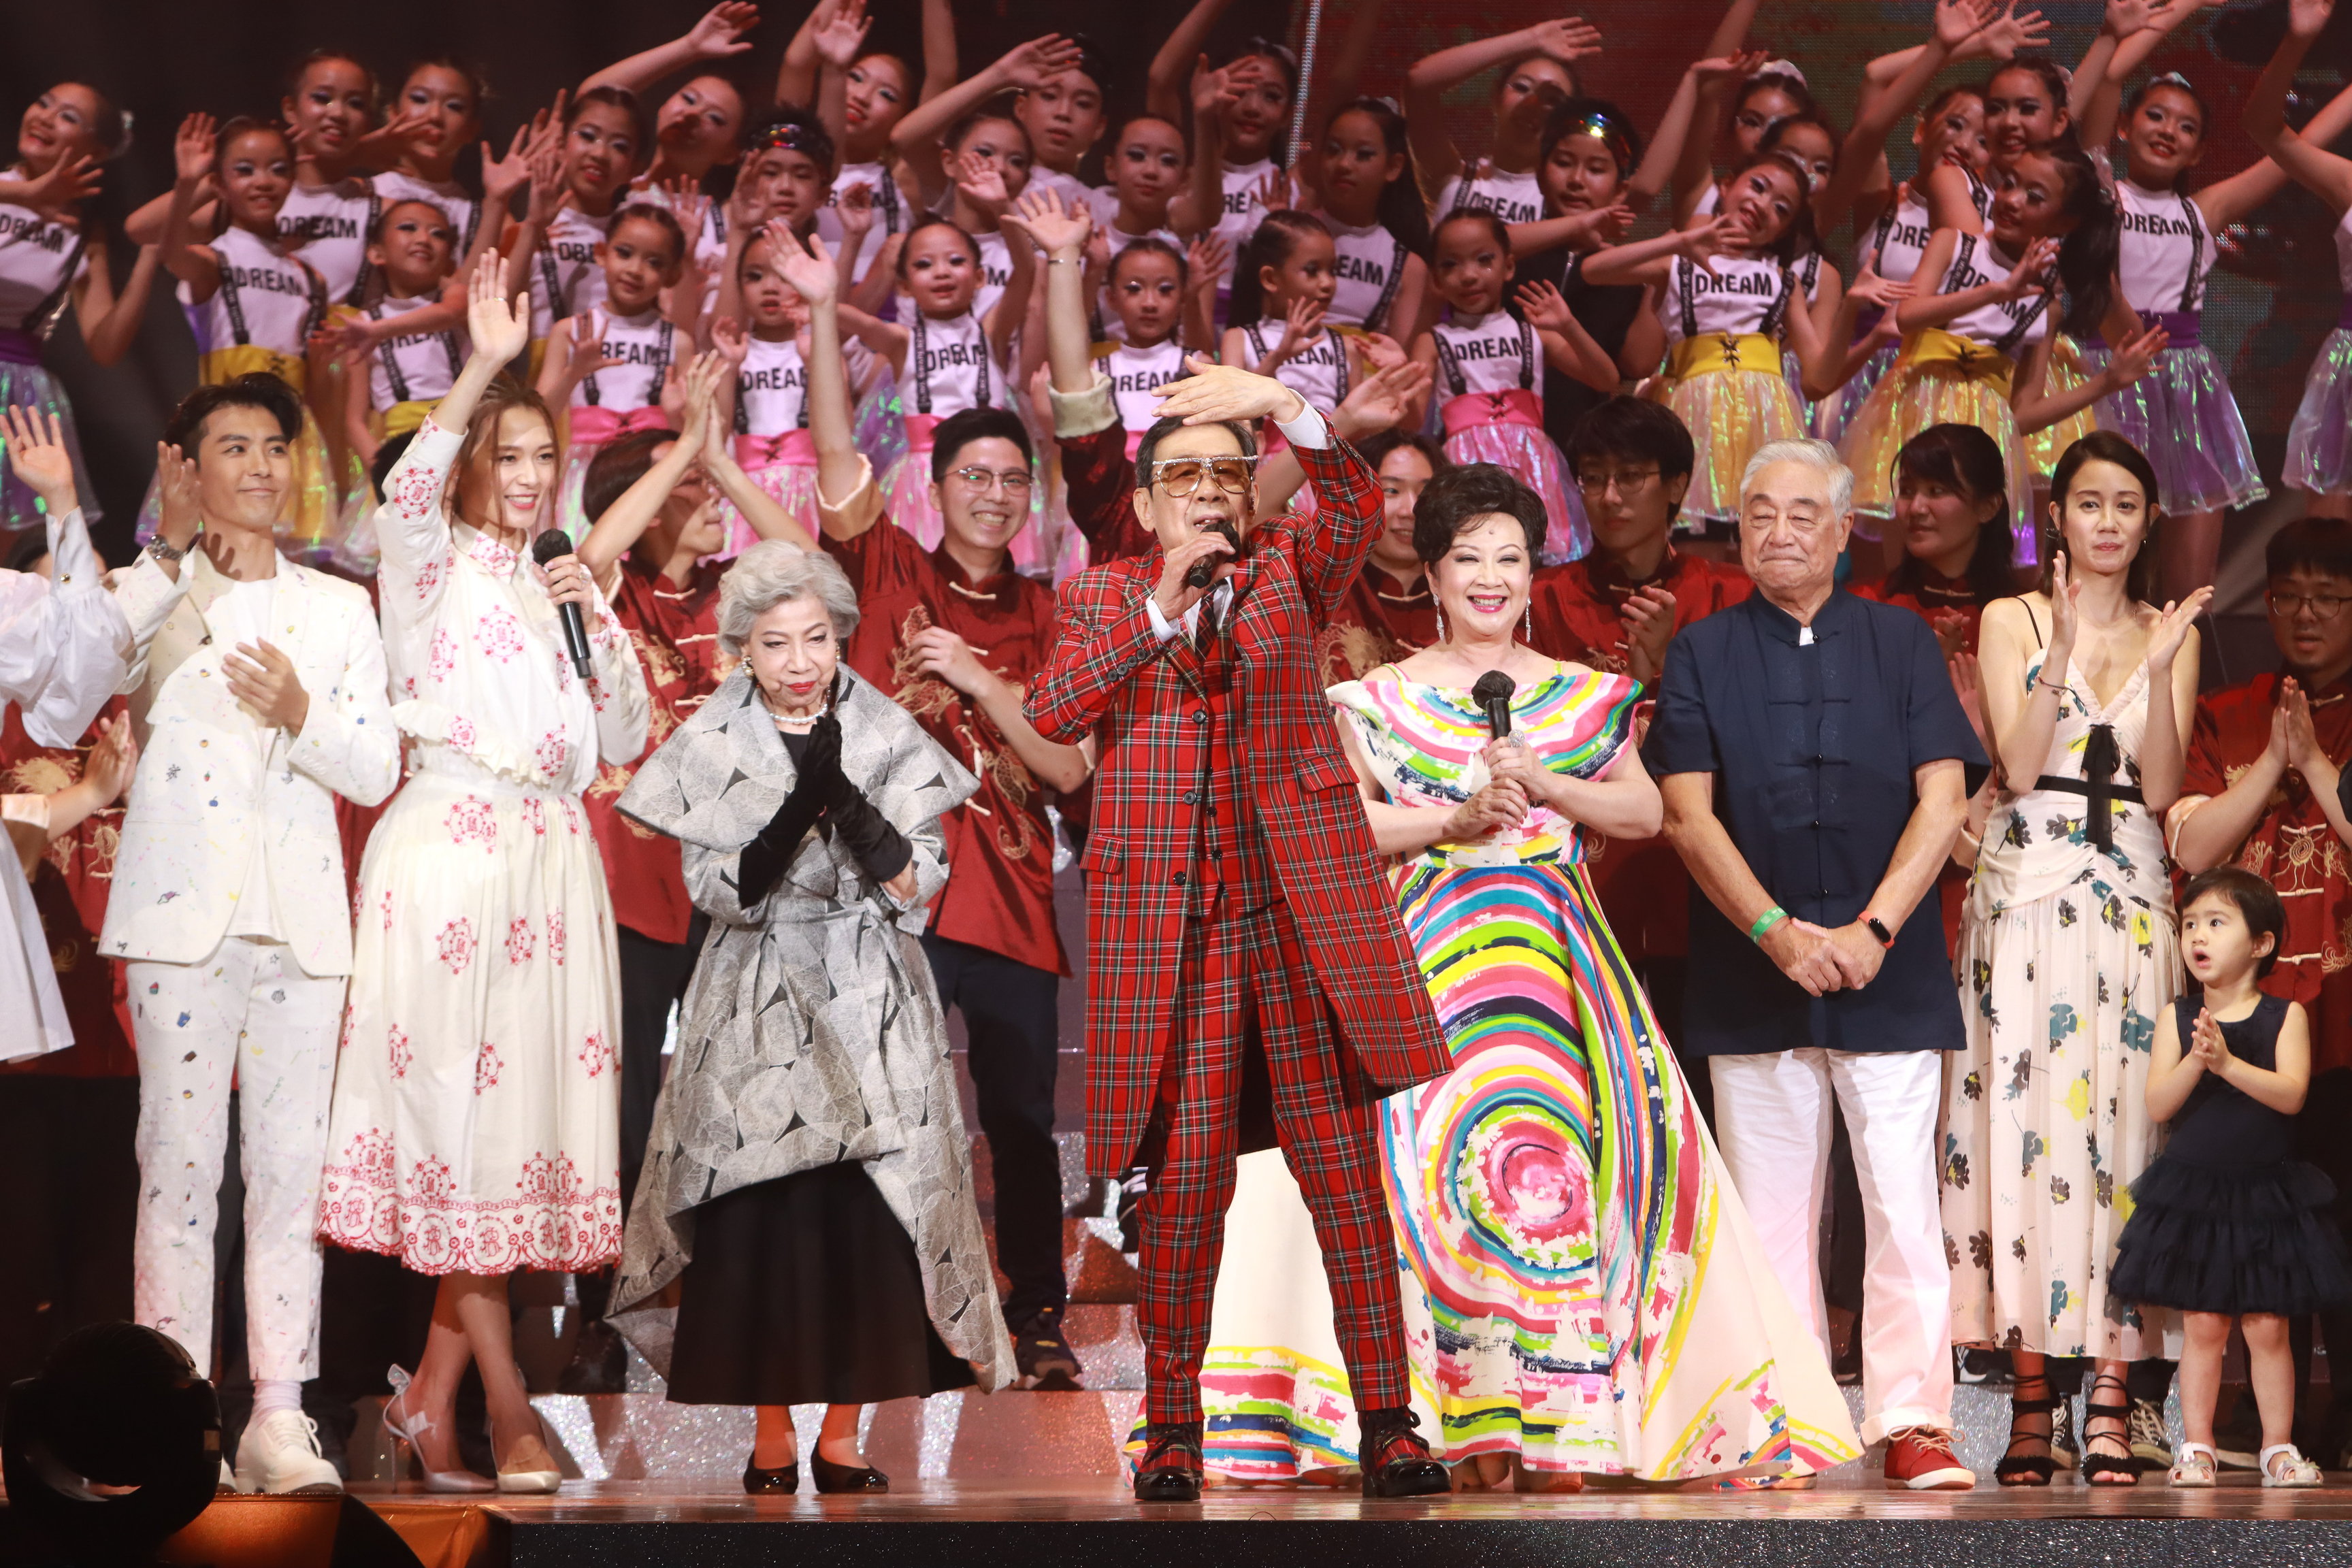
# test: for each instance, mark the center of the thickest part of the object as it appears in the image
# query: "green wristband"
(1765, 922)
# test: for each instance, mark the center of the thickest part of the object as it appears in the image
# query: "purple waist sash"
(2180, 327)
(19, 346)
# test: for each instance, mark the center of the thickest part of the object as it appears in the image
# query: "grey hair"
(772, 572)
(1818, 456)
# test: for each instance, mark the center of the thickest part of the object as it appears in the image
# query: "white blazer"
(206, 788)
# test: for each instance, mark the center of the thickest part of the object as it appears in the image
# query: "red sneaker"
(1921, 1459)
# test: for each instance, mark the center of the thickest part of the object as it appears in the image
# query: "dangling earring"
(1441, 624)
(1528, 620)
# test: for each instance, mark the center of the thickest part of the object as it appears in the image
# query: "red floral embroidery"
(563, 670)
(534, 815)
(414, 496)
(408, 684)
(487, 1066)
(387, 909)
(595, 1055)
(396, 1044)
(442, 657)
(457, 944)
(520, 941)
(429, 1178)
(553, 752)
(555, 937)
(538, 1183)
(498, 634)
(470, 821)
(570, 818)
(428, 576)
(461, 732)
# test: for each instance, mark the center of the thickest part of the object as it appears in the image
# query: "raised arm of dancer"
(1425, 85)
(940, 59)
(1061, 234)
(1163, 93)
(197, 266)
(2308, 163)
(1865, 148)
(108, 321)
(838, 41)
(1385, 400)
(2097, 86)
(916, 138)
(2226, 201)
(2165, 18)
(717, 37)
(1202, 202)
(616, 531)
(1695, 169)
(1649, 261)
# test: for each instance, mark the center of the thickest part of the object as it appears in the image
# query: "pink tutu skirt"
(1506, 428)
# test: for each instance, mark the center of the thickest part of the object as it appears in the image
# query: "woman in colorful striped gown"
(1586, 1295)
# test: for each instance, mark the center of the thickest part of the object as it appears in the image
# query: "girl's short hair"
(772, 573)
(1485, 217)
(238, 125)
(1601, 119)
(906, 247)
(2257, 903)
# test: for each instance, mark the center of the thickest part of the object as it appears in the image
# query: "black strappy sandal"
(2016, 1469)
(2109, 1469)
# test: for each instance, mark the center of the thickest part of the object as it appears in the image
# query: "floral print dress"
(2068, 954)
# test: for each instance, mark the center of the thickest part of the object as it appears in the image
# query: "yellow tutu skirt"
(311, 526)
(1937, 380)
(2044, 447)
(1733, 400)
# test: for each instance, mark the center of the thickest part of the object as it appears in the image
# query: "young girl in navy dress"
(2225, 1226)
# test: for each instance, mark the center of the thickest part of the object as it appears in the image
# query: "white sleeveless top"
(995, 271)
(564, 278)
(1745, 295)
(1136, 373)
(2166, 251)
(265, 297)
(1514, 198)
(889, 211)
(327, 226)
(1369, 262)
(2011, 326)
(463, 211)
(418, 369)
(1899, 239)
(39, 259)
(949, 366)
(1318, 374)
(1242, 210)
(772, 389)
(1493, 353)
(647, 344)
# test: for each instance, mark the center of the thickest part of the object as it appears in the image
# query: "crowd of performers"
(1563, 730)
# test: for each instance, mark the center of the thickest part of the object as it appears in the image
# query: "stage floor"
(638, 1524)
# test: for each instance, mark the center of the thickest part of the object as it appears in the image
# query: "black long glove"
(763, 861)
(881, 849)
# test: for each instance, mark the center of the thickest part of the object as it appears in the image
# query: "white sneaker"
(279, 1453)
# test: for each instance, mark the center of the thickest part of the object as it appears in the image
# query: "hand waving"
(38, 453)
(500, 331)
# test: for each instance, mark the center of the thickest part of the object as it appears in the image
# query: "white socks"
(271, 1395)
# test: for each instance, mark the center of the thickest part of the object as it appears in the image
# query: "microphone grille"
(550, 546)
(1493, 687)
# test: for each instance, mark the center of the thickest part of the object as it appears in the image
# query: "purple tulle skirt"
(2319, 442)
(32, 387)
(2182, 416)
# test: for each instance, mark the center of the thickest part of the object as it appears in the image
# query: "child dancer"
(1538, 72)
(1379, 231)
(1729, 299)
(330, 110)
(2319, 443)
(2225, 1226)
(609, 367)
(552, 251)
(410, 253)
(1287, 276)
(696, 127)
(769, 407)
(51, 252)
(945, 358)
(1064, 117)
(1261, 80)
(785, 176)
(442, 102)
(1485, 359)
(1151, 292)
(976, 116)
(865, 97)
(251, 305)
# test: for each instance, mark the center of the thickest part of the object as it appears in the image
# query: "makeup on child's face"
(1307, 273)
(1257, 116)
(600, 151)
(1147, 167)
(2019, 115)
(1811, 146)
(61, 121)
(1357, 166)
(1580, 175)
(2217, 945)
(941, 271)
(443, 97)
(2165, 134)
(1955, 132)
(2104, 516)
(1002, 145)
(331, 107)
(768, 298)
(640, 260)
(786, 184)
(1533, 86)
(1764, 199)
(877, 95)
(1469, 268)
(698, 124)
(415, 247)
(1147, 296)
(2029, 204)
(1064, 117)
(256, 174)
(1758, 107)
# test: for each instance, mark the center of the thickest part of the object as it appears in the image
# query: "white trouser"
(245, 1015)
(1772, 1123)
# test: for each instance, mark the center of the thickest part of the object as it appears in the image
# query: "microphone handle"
(575, 637)
(1499, 717)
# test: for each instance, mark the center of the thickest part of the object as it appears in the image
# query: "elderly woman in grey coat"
(805, 1230)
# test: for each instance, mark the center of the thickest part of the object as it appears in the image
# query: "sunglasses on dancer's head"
(1016, 481)
(1182, 476)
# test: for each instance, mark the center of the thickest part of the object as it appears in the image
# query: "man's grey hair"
(1819, 455)
(772, 572)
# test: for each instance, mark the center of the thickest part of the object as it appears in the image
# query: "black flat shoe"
(783, 1479)
(1396, 1462)
(833, 1478)
(1171, 1469)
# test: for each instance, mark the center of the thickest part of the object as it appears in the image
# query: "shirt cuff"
(1077, 414)
(856, 511)
(1160, 625)
(1307, 430)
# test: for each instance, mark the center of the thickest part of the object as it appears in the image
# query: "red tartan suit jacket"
(1110, 675)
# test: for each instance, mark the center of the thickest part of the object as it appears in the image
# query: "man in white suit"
(257, 688)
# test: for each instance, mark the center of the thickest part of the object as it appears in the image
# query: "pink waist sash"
(1519, 405)
(592, 425)
(797, 448)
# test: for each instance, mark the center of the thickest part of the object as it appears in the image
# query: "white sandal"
(2297, 1471)
(2193, 1465)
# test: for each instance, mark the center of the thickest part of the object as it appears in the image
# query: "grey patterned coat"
(811, 1032)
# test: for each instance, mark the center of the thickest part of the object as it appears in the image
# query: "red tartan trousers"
(1326, 1115)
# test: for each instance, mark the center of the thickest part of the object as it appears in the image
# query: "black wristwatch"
(1877, 928)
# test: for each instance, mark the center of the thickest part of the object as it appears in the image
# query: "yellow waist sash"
(245, 358)
(1714, 351)
(401, 417)
(1933, 345)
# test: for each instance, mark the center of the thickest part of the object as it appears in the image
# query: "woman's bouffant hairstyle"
(1458, 496)
(772, 573)
(2105, 447)
(1968, 462)
(2257, 901)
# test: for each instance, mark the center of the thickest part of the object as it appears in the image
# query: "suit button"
(1191, 797)
(1817, 822)
(1200, 715)
(1177, 878)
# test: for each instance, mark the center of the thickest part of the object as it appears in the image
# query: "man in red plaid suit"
(1233, 891)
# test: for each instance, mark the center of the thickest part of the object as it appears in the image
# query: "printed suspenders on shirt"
(1965, 257)
(744, 415)
(357, 296)
(1451, 363)
(312, 319)
(394, 376)
(2195, 255)
(983, 398)
(42, 319)
(1688, 299)
(589, 393)
(1389, 291)
(1254, 331)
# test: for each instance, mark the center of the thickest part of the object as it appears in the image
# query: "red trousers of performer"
(1237, 968)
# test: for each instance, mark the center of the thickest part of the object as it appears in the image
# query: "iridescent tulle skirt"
(1833, 416)
(1926, 387)
(27, 383)
(1507, 429)
(2181, 414)
(2044, 447)
(1731, 412)
(2319, 442)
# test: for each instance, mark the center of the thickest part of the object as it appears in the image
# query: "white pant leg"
(1773, 1125)
(1891, 1099)
(286, 1081)
(185, 1019)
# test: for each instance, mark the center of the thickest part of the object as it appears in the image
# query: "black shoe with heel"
(2029, 1398)
(783, 1481)
(2109, 1469)
(832, 1477)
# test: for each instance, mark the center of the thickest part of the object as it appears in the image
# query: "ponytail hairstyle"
(1799, 237)
(1401, 210)
(2106, 447)
(1277, 236)
(1968, 462)
(2179, 84)
(2087, 256)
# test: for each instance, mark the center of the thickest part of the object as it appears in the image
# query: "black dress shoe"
(833, 1478)
(783, 1479)
(1171, 1469)
(1396, 1462)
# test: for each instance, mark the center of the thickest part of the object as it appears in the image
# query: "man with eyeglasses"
(1237, 908)
(2263, 789)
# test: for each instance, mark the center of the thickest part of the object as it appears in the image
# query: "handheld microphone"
(553, 545)
(1205, 571)
(1493, 692)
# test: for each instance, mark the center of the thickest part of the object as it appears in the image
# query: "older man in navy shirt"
(1809, 749)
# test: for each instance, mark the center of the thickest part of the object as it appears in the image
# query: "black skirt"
(2232, 1239)
(805, 1290)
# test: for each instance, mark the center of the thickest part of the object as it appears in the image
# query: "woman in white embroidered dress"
(476, 1123)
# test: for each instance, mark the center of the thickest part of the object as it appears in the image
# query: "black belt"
(2100, 760)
